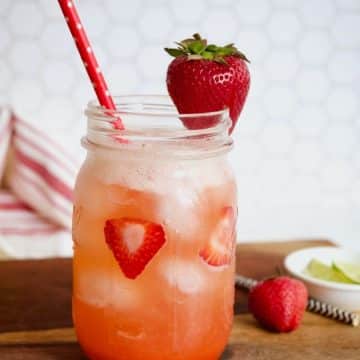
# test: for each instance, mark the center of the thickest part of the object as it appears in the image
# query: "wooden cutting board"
(35, 314)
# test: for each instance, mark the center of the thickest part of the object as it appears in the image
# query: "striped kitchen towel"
(40, 172)
(5, 136)
(19, 224)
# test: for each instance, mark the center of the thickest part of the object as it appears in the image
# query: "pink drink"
(180, 305)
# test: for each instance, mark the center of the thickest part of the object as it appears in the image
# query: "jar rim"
(151, 123)
(123, 106)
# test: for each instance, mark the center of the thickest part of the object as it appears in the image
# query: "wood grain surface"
(35, 314)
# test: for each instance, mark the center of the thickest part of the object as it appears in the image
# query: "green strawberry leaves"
(174, 52)
(196, 48)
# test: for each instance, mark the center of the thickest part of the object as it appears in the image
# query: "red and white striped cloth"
(25, 234)
(5, 136)
(39, 178)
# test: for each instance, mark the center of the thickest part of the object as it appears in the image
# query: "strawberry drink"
(155, 209)
(154, 235)
(155, 212)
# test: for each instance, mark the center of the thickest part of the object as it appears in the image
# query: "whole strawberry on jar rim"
(205, 78)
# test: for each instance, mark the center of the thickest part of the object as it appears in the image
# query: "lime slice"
(319, 270)
(351, 271)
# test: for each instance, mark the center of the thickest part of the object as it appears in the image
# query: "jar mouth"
(151, 122)
(146, 105)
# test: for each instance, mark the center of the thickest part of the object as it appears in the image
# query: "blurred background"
(297, 155)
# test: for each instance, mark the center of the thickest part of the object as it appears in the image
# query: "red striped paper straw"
(88, 57)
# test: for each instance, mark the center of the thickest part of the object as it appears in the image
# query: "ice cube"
(188, 277)
(101, 289)
(138, 174)
(91, 194)
(132, 331)
(179, 211)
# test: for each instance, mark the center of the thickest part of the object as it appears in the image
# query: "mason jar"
(154, 233)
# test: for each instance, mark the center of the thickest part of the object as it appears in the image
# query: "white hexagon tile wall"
(297, 157)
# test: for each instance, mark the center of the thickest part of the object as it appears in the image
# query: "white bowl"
(346, 296)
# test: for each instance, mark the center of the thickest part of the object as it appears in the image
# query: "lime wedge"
(319, 270)
(351, 271)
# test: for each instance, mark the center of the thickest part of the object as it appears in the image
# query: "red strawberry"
(279, 303)
(205, 78)
(134, 243)
(219, 250)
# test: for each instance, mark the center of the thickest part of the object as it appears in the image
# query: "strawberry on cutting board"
(205, 78)
(133, 242)
(279, 303)
(218, 251)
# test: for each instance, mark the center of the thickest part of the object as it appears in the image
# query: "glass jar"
(154, 234)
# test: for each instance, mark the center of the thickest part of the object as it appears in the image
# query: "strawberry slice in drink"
(218, 250)
(133, 242)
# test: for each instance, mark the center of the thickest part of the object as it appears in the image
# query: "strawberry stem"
(197, 48)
